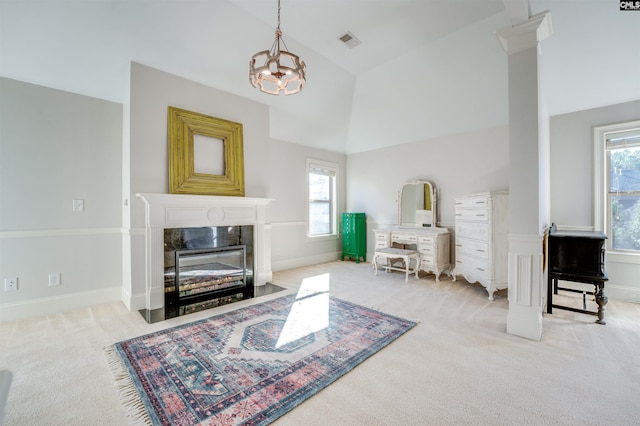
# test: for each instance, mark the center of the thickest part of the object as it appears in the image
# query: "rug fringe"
(134, 408)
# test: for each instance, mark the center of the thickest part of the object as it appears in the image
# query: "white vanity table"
(416, 229)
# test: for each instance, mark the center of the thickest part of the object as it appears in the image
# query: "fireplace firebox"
(207, 267)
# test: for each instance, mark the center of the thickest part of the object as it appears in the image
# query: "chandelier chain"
(278, 14)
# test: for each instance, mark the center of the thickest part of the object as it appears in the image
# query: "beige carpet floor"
(458, 366)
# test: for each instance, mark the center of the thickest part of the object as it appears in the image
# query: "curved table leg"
(490, 290)
(407, 265)
(601, 300)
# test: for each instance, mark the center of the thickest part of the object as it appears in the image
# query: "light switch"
(78, 205)
(54, 279)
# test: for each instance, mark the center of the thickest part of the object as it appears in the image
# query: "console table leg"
(550, 295)
(601, 300)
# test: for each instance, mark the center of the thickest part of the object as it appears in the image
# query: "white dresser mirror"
(417, 205)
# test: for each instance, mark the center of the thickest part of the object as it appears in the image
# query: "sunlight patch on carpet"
(310, 312)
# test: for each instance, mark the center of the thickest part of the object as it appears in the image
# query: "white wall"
(456, 84)
(288, 213)
(572, 187)
(592, 58)
(55, 147)
(273, 169)
(572, 184)
(152, 92)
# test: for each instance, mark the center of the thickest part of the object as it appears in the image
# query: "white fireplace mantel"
(191, 211)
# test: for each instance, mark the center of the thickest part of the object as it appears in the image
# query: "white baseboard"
(298, 262)
(624, 294)
(53, 305)
(133, 302)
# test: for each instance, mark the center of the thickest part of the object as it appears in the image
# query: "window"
(322, 177)
(618, 152)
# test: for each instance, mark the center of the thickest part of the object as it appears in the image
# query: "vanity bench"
(390, 254)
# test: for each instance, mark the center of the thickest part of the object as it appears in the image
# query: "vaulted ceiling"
(418, 58)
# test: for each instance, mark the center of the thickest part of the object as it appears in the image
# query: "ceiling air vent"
(349, 40)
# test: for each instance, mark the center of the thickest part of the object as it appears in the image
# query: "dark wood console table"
(577, 256)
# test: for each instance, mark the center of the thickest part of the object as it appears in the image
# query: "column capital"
(525, 35)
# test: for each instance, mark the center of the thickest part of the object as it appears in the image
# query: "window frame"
(602, 197)
(333, 169)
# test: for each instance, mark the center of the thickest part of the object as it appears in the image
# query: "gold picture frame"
(183, 126)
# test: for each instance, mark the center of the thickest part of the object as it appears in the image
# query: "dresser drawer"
(426, 250)
(348, 245)
(381, 243)
(472, 202)
(427, 262)
(423, 239)
(479, 215)
(472, 265)
(402, 238)
(381, 236)
(472, 247)
(478, 231)
(381, 239)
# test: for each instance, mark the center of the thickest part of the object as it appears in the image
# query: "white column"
(528, 177)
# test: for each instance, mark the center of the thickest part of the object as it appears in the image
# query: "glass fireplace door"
(204, 275)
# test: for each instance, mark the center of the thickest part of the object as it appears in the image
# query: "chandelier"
(274, 70)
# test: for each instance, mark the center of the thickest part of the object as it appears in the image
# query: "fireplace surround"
(173, 211)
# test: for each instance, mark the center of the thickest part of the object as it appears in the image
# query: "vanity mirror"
(417, 205)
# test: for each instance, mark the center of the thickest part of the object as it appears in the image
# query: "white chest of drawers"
(433, 244)
(481, 246)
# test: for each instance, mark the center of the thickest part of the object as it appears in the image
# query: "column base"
(526, 286)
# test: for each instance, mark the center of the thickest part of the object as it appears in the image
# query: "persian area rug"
(251, 365)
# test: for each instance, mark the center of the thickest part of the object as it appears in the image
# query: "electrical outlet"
(11, 284)
(54, 279)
